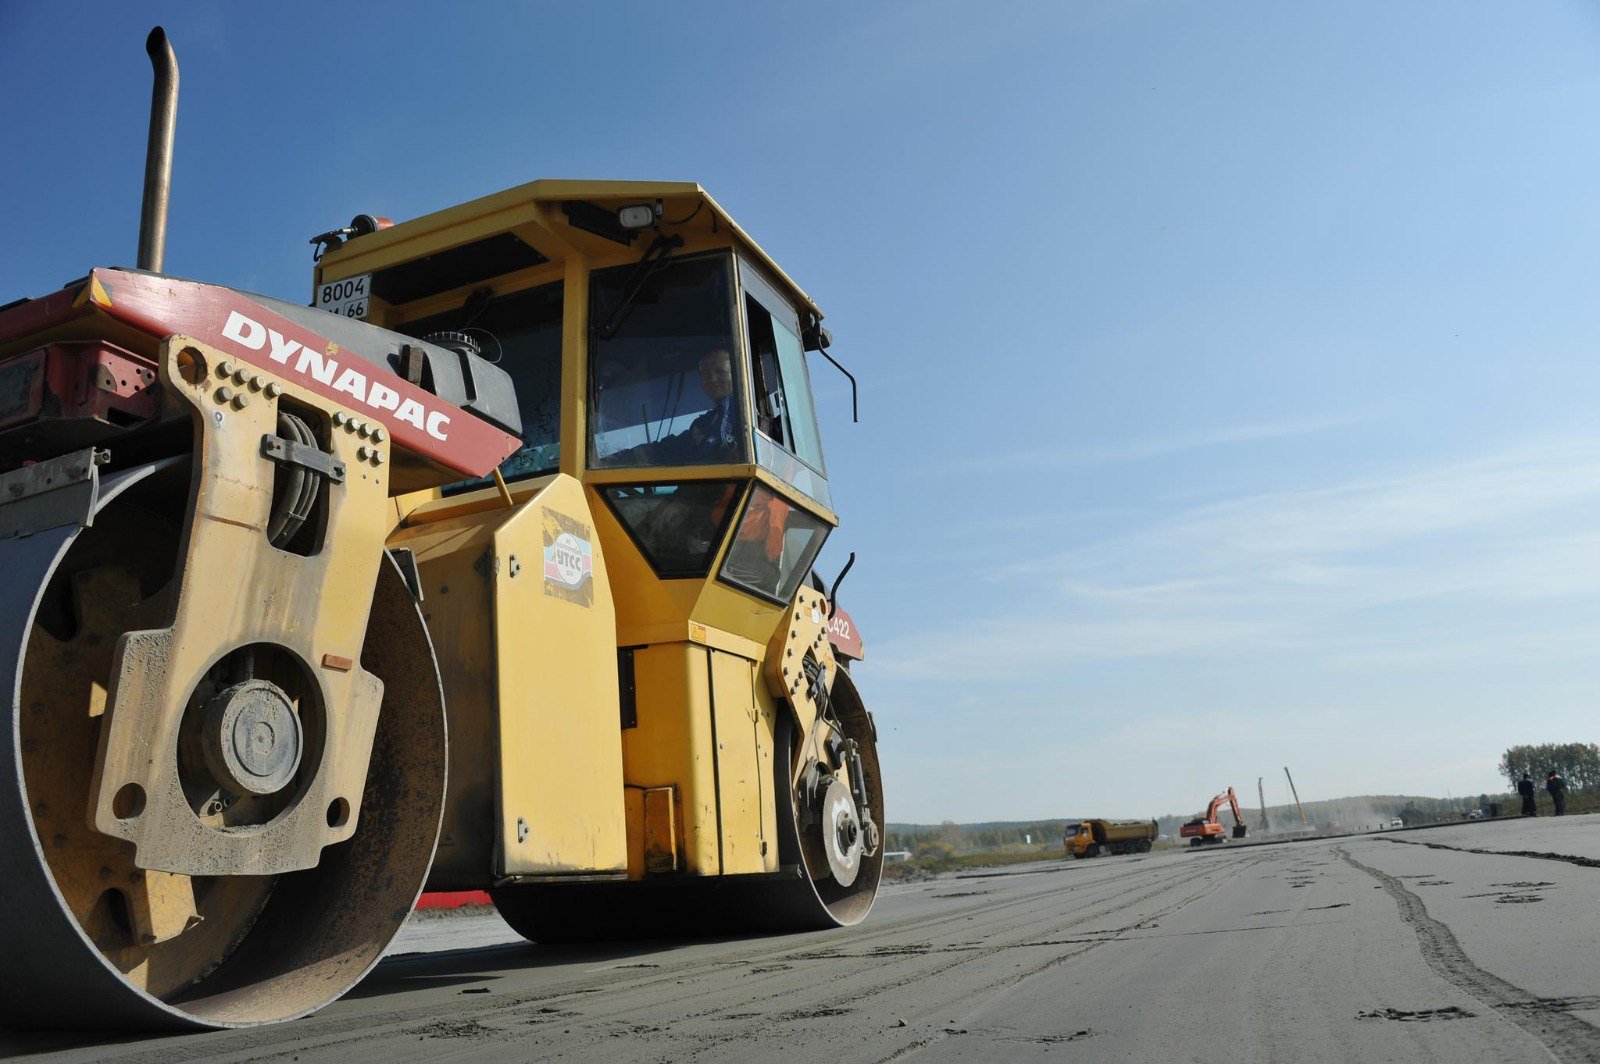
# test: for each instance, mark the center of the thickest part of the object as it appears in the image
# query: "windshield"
(664, 391)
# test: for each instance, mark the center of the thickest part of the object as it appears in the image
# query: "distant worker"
(1525, 788)
(1558, 791)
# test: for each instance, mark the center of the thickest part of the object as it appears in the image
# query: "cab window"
(677, 527)
(784, 413)
(773, 546)
(664, 386)
(786, 439)
(522, 332)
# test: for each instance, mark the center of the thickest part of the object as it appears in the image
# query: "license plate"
(348, 297)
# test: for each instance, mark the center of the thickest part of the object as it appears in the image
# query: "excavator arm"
(1233, 803)
(1214, 810)
(1239, 827)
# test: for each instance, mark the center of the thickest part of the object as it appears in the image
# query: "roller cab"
(648, 712)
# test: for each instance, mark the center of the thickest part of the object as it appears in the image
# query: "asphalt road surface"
(1480, 942)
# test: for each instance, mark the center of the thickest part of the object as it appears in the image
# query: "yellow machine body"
(545, 781)
(295, 658)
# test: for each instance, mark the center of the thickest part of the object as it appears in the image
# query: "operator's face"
(716, 375)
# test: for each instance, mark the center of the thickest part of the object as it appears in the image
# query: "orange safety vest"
(766, 525)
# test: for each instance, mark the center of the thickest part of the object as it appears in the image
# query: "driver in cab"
(687, 523)
(714, 436)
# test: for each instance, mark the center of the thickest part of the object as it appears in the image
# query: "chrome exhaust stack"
(158, 152)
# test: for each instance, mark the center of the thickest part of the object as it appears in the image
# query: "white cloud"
(1292, 570)
(1061, 458)
(1383, 511)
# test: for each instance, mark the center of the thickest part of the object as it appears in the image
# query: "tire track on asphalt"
(1114, 883)
(1538, 855)
(1001, 987)
(608, 1004)
(671, 1021)
(1567, 1037)
(326, 1034)
(878, 944)
(857, 991)
(857, 997)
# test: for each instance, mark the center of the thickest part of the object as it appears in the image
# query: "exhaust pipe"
(158, 152)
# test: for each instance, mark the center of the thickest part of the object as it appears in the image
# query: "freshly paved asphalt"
(1462, 944)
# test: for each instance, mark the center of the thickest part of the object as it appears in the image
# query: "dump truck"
(1207, 827)
(1094, 837)
(492, 569)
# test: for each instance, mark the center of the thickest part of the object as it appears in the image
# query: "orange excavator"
(1208, 829)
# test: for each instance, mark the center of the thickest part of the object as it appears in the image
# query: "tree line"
(973, 838)
(1579, 763)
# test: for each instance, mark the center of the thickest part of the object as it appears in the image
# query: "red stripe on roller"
(454, 899)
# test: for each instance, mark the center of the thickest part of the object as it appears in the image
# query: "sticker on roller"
(568, 559)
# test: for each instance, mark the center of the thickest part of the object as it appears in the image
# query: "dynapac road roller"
(491, 569)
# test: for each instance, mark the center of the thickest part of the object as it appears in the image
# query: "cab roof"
(534, 224)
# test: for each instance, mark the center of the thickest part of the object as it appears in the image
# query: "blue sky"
(1229, 371)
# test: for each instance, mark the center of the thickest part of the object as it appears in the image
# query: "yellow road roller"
(490, 569)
